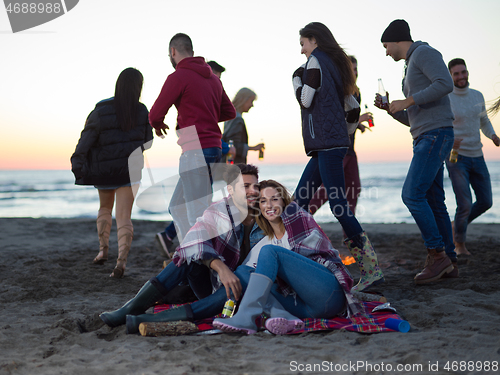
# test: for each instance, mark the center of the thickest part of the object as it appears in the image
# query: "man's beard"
(174, 64)
(464, 85)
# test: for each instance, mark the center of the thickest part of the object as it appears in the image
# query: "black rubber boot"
(172, 315)
(145, 298)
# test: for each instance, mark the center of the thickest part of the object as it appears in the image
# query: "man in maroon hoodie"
(201, 104)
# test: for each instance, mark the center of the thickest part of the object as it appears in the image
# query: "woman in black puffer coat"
(109, 156)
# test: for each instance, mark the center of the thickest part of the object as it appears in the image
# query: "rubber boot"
(172, 315)
(251, 306)
(103, 222)
(280, 321)
(436, 265)
(362, 250)
(144, 299)
(125, 236)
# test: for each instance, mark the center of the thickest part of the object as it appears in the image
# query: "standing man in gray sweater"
(469, 169)
(426, 110)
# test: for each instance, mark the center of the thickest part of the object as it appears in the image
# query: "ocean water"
(53, 194)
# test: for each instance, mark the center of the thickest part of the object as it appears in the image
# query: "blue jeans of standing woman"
(423, 191)
(193, 193)
(318, 292)
(327, 168)
(464, 174)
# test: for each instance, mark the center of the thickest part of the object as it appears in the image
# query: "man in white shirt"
(470, 168)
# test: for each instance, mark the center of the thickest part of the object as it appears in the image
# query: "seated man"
(220, 240)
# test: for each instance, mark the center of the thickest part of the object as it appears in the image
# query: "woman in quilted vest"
(321, 85)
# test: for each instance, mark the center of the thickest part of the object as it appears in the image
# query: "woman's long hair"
(495, 107)
(241, 97)
(262, 222)
(327, 43)
(127, 93)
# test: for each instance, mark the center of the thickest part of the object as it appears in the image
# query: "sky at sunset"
(51, 76)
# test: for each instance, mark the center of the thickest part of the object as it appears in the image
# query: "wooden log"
(369, 297)
(154, 329)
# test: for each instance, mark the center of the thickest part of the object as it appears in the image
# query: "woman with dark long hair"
(322, 86)
(109, 156)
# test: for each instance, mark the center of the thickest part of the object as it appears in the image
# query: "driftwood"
(154, 329)
(369, 297)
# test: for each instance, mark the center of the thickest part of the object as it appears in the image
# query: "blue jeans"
(327, 168)
(193, 193)
(170, 231)
(318, 293)
(467, 172)
(209, 304)
(197, 275)
(423, 191)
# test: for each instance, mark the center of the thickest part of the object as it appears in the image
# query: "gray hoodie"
(428, 80)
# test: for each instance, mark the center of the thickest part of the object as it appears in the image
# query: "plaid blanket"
(372, 322)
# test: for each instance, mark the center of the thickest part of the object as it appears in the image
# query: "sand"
(51, 295)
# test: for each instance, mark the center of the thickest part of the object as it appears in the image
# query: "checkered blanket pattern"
(372, 322)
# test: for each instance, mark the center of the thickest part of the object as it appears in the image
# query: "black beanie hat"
(397, 31)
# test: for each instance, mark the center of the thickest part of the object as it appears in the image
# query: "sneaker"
(165, 245)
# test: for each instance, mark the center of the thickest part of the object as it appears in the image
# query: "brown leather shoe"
(453, 274)
(436, 265)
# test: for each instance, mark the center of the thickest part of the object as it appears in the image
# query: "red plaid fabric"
(371, 322)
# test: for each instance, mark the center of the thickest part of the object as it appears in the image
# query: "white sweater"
(470, 115)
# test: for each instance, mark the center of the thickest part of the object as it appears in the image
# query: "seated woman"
(296, 266)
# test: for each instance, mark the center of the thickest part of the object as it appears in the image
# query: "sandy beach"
(51, 295)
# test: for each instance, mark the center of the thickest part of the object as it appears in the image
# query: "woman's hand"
(228, 278)
(299, 72)
(258, 147)
(366, 116)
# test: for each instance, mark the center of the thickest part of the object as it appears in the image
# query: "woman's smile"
(271, 204)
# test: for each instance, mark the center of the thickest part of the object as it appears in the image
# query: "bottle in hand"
(382, 92)
(370, 120)
(230, 156)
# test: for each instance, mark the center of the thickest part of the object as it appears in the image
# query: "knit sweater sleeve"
(432, 66)
(402, 117)
(486, 126)
(305, 90)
